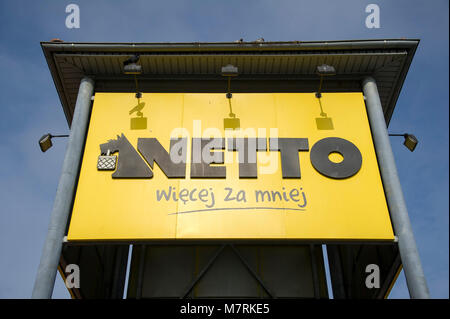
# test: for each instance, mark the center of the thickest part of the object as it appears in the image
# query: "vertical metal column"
(415, 277)
(45, 278)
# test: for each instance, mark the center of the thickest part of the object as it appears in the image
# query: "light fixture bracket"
(45, 142)
(324, 70)
(132, 68)
(410, 141)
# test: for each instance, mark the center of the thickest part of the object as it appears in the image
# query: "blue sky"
(30, 105)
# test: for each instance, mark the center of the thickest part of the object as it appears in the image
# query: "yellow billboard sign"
(256, 166)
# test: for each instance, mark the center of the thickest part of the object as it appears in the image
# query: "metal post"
(45, 278)
(415, 277)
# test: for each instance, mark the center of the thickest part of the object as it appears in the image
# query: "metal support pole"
(202, 272)
(415, 277)
(45, 278)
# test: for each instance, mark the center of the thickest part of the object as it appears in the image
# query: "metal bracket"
(254, 274)
(202, 272)
(213, 259)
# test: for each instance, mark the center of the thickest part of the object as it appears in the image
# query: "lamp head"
(130, 65)
(45, 142)
(410, 142)
(325, 70)
(132, 68)
(230, 70)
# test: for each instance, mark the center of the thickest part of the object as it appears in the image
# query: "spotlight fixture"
(232, 122)
(45, 142)
(132, 69)
(410, 140)
(229, 71)
(130, 65)
(323, 70)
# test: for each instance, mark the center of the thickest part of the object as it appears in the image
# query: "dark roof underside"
(263, 67)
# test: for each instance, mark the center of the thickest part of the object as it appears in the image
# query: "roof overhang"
(263, 67)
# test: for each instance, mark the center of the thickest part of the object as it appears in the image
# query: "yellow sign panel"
(270, 166)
